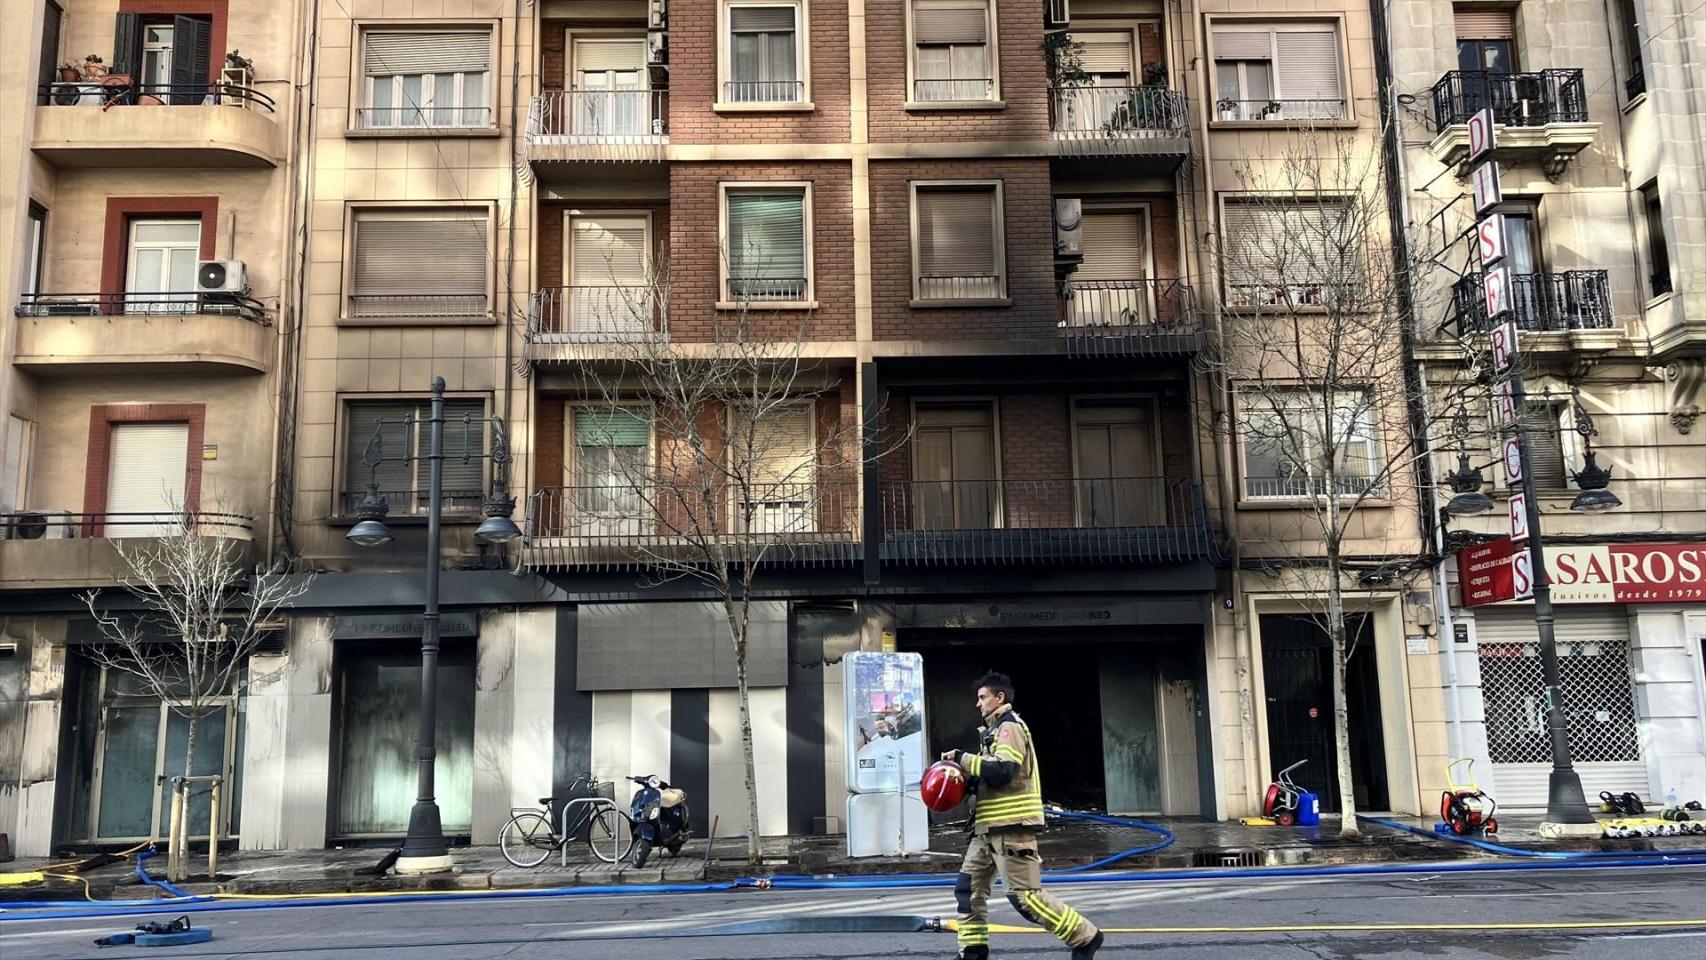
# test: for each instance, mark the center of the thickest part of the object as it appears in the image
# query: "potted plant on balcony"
(70, 72)
(93, 68)
(237, 74)
(1226, 108)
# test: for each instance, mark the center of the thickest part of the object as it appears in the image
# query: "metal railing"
(761, 289)
(119, 91)
(412, 502)
(68, 525)
(764, 91)
(1571, 300)
(1090, 113)
(1517, 99)
(631, 525)
(1637, 82)
(1304, 487)
(417, 305)
(1127, 518)
(598, 313)
(1279, 110)
(983, 287)
(939, 91)
(426, 118)
(599, 116)
(162, 303)
(1151, 304)
(1299, 296)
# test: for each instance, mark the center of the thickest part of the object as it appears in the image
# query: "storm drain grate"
(1229, 858)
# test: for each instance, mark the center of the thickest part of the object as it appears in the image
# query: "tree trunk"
(754, 845)
(181, 842)
(1341, 710)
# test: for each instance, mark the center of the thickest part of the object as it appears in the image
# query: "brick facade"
(1023, 73)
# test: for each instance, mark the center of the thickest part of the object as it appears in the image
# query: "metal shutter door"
(1484, 23)
(1308, 66)
(407, 52)
(1598, 676)
(147, 475)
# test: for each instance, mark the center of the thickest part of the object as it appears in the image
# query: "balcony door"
(954, 464)
(608, 85)
(1116, 460)
(1101, 101)
(609, 470)
(609, 274)
(146, 478)
(160, 277)
(780, 464)
(1110, 287)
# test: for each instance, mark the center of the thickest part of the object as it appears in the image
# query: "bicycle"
(529, 837)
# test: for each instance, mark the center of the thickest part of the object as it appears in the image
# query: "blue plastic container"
(1308, 809)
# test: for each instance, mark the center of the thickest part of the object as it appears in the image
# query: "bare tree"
(196, 615)
(714, 458)
(1314, 352)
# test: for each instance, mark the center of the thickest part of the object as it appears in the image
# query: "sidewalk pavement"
(1198, 843)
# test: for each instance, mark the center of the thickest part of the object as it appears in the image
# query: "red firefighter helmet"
(944, 786)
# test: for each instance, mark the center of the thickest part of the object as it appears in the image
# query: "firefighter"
(1009, 810)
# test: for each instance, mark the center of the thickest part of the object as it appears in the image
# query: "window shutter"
(1243, 45)
(403, 255)
(939, 25)
(51, 19)
(191, 37)
(395, 52)
(463, 483)
(956, 233)
(1484, 23)
(127, 44)
(1113, 247)
(625, 427)
(767, 236)
(781, 445)
(1545, 446)
(595, 55)
(1308, 65)
(149, 469)
(1105, 52)
(607, 251)
(761, 19)
(362, 418)
(10, 497)
(1250, 237)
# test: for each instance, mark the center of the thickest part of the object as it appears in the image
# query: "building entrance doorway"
(1297, 668)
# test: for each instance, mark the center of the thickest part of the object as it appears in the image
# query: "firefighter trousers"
(1014, 854)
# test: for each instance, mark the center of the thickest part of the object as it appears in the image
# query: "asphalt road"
(1203, 919)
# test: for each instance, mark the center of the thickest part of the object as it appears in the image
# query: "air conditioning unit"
(65, 307)
(1057, 13)
(40, 525)
(1068, 231)
(221, 276)
(657, 14)
(657, 48)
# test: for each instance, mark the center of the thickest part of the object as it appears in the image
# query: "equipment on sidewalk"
(1465, 807)
(659, 816)
(172, 933)
(1284, 799)
(944, 786)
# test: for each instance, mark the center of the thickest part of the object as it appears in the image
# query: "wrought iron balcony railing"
(1128, 317)
(1294, 111)
(161, 303)
(1120, 518)
(772, 289)
(404, 503)
(1101, 113)
(1517, 99)
(599, 116)
(66, 525)
(764, 91)
(597, 313)
(982, 287)
(1305, 487)
(417, 305)
(120, 91)
(1572, 300)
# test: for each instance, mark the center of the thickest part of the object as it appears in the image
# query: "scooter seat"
(672, 798)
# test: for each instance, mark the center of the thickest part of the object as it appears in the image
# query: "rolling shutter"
(1113, 247)
(1243, 45)
(761, 19)
(950, 25)
(1484, 23)
(1250, 236)
(464, 443)
(1105, 52)
(150, 466)
(623, 427)
(592, 56)
(405, 254)
(1308, 65)
(405, 482)
(607, 251)
(1545, 447)
(781, 445)
(394, 477)
(767, 236)
(50, 24)
(956, 233)
(399, 52)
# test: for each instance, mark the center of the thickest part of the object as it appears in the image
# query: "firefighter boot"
(1088, 950)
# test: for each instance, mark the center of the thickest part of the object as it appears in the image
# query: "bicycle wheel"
(526, 840)
(610, 835)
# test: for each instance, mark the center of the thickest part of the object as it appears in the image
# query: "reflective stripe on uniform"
(1008, 752)
(973, 764)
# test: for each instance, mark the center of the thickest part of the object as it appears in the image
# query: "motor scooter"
(659, 816)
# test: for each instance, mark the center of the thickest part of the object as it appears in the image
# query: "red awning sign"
(1586, 573)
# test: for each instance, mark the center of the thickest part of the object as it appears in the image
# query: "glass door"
(161, 274)
(142, 746)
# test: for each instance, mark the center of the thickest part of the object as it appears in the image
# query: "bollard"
(174, 862)
(213, 828)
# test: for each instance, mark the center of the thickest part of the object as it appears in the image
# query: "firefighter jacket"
(1009, 787)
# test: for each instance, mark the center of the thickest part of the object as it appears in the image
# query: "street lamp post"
(424, 847)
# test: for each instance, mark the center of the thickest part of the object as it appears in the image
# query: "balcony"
(630, 527)
(1133, 519)
(1118, 121)
(1539, 117)
(1575, 302)
(598, 125)
(116, 123)
(62, 549)
(566, 323)
(64, 334)
(405, 505)
(1125, 318)
(1282, 112)
(764, 95)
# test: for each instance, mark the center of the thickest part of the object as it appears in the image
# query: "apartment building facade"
(1600, 160)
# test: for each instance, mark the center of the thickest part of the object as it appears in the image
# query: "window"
(420, 263)
(34, 245)
(168, 57)
(1283, 71)
(957, 243)
(1486, 38)
(953, 55)
(1289, 444)
(764, 56)
(1110, 287)
(1288, 254)
(610, 274)
(1543, 423)
(425, 79)
(780, 467)
(609, 470)
(766, 239)
(147, 478)
(20, 445)
(1114, 454)
(403, 430)
(160, 275)
(1658, 254)
(609, 87)
(1635, 81)
(954, 466)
